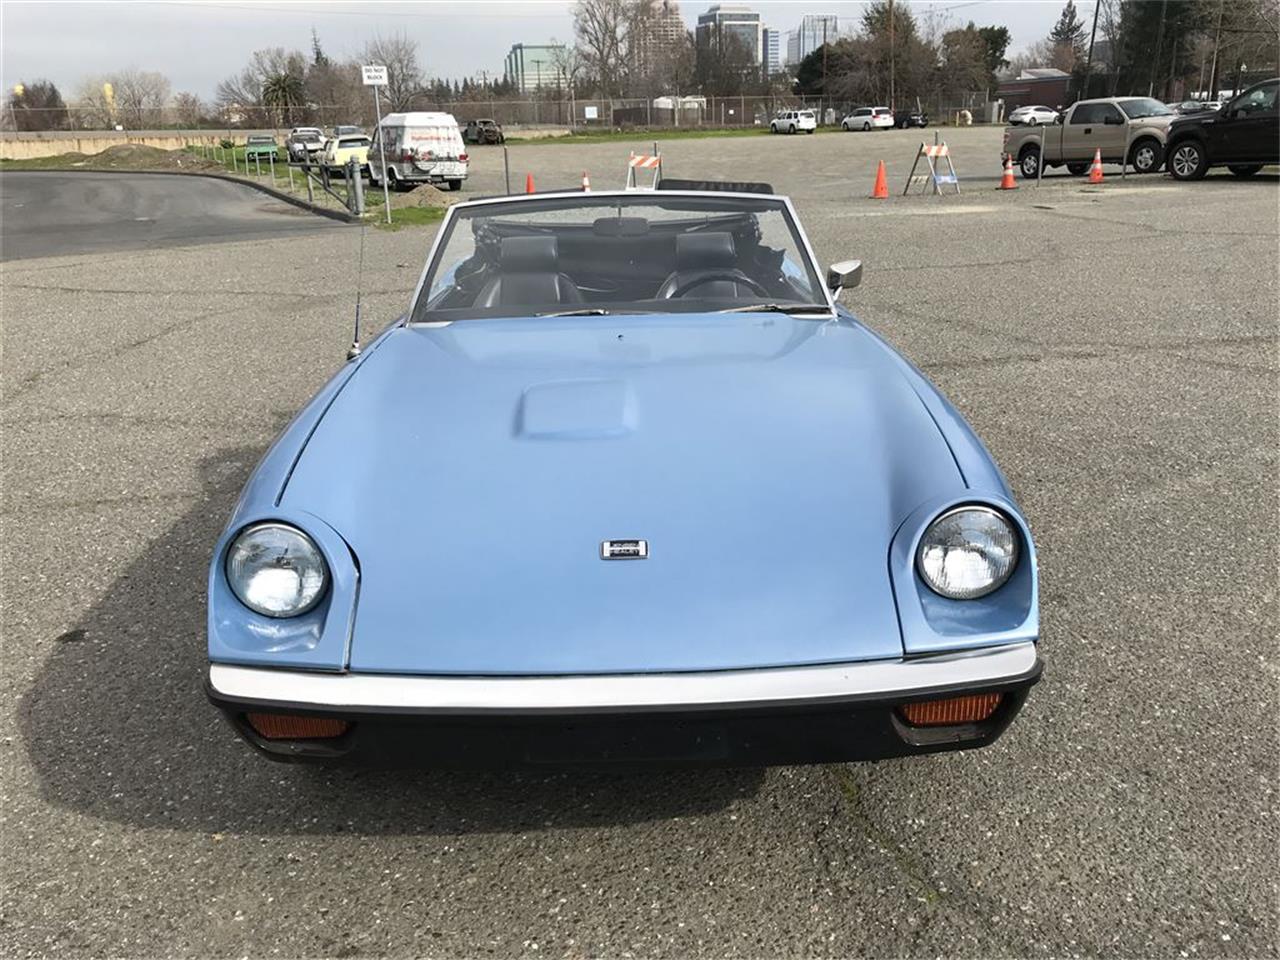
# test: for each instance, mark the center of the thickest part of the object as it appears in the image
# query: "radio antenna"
(355, 337)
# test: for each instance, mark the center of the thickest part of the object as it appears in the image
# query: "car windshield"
(1144, 107)
(261, 140)
(656, 252)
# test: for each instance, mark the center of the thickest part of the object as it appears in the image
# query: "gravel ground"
(1116, 348)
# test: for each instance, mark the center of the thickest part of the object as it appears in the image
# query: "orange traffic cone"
(1095, 171)
(528, 183)
(1006, 182)
(586, 182)
(881, 191)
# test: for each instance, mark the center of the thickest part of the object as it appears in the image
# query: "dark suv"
(483, 131)
(1244, 135)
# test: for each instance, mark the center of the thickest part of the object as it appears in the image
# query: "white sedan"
(1033, 116)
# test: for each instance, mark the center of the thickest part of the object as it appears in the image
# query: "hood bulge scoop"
(576, 410)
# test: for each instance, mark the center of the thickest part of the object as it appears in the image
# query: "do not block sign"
(374, 75)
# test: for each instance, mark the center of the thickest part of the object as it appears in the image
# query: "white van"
(419, 148)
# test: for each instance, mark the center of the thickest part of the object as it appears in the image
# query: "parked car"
(260, 147)
(419, 148)
(1033, 116)
(304, 143)
(1244, 135)
(794, 121)
(585, 501)
(1090, 126)
(483, 131)
(869, 118)
(913, 119)
(1195, 106)
(338, 150)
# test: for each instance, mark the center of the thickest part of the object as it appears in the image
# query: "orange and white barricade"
(934, 155)
(643, 161)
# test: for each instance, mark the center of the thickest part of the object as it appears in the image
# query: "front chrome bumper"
(817, 714)
(628, 693)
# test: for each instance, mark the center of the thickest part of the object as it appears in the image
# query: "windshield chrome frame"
(451, 214)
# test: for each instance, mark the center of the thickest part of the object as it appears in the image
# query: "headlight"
(276, 570)
(967, 553)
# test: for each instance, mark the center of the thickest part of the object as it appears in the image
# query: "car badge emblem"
(624, 549)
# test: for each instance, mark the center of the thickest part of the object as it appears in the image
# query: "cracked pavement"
(1116, 351)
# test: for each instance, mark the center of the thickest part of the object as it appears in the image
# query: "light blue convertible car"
(624, 484)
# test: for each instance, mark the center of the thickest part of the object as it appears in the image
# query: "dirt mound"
(424, 195)
(139, 156)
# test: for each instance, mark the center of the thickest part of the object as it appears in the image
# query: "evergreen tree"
(1068, 33)
(318, 56)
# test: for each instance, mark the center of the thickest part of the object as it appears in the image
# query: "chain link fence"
(666, 112)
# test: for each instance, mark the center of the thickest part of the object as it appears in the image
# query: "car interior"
(622, 263)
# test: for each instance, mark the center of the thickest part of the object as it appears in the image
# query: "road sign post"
(375, 75)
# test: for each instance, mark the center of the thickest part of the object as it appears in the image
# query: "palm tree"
(283, 92)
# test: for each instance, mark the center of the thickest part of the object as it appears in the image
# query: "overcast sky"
(196, 43)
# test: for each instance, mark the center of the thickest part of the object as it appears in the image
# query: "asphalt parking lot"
(1114, 346)
(55, 214)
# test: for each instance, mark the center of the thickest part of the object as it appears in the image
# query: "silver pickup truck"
(1112, 125)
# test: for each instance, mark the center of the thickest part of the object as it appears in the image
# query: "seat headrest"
(702, 251)
(529, 254)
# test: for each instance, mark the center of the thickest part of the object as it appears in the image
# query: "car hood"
(475, 469)
(1195, 119)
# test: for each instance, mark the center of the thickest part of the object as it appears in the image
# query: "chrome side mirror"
(846, 273)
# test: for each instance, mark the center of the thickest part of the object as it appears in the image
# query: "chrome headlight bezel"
(1010, 559)
(313, 582)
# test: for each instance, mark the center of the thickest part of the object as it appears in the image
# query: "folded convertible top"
(724, 186)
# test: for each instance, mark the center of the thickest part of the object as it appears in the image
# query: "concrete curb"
(340, 215)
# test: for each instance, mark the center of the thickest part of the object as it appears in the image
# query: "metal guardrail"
(313, 175)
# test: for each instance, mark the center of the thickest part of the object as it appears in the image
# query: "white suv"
(869, 118)
(794, 121)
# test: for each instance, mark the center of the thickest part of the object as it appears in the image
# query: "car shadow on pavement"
(117, 726)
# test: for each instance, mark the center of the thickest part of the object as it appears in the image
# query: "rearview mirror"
(846, 273)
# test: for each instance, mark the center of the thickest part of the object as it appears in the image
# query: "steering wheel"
(722, 277)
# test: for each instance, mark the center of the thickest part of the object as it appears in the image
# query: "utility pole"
(824, 57)
(1088, 60)
(1212, 93)
(892, 65)
(1155, 61)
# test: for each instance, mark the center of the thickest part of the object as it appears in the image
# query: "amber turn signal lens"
(953, 710)
(283, 726)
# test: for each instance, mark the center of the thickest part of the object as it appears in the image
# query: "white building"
(771, 60)
(815, 29)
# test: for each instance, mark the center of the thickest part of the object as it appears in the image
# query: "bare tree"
(399, 55)
(603, 28)
(140, 97)
(188, 109)
(336, 91)
(569, 63)
(95, 106)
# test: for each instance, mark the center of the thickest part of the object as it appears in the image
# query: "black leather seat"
(706, 255)
(530, 276)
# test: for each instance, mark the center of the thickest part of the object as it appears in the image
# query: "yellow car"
(338, 150)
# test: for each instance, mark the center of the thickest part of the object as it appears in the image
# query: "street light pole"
(1088, 60)
(892, 64)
